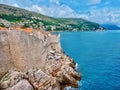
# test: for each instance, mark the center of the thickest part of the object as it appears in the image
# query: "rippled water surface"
(98, 58)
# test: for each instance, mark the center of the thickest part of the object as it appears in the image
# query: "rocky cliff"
(34, 61)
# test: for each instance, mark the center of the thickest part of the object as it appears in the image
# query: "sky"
(100, 11)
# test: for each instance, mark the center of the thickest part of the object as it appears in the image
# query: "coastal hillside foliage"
(10, 15)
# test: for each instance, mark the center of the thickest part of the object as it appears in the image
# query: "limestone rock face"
(34, 61)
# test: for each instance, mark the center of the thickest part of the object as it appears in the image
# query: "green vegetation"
(26, 25)
(2, 25)
(5, 77)
(10, 17)
(48, 28)
(32, 19)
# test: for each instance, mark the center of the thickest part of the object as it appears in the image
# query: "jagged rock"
(21, 85)
(5, 84)
(11, 78)
(64, 71)
(41, 80)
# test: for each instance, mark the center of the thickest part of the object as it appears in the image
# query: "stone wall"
(5, 55)
(37, 58)
(23, 51)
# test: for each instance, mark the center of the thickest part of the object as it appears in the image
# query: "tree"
(48, 28)
(26, 25)
(2, 25)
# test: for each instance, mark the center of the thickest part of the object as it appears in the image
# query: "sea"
(97, 55)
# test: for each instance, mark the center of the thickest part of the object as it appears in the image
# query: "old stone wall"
(37, 58)
(5, 55)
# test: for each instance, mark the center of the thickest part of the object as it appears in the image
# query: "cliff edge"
(34, 61)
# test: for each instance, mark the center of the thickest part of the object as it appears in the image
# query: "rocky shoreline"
(34, 61)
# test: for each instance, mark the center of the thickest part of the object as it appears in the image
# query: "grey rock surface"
(22, 85)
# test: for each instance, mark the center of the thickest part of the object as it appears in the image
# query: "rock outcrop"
(34, 61)
(21, 85)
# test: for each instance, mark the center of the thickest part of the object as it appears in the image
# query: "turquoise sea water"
(98, 58)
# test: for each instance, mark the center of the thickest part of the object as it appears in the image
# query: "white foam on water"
(76, 66)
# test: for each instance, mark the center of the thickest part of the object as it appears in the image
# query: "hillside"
(13, 16)
(111, 26)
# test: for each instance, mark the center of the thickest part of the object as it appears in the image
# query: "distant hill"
(10, 15)
(111, 26)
